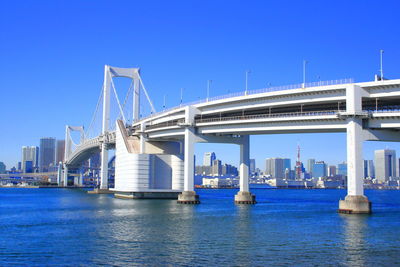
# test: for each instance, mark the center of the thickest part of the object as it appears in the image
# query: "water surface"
(65, 227)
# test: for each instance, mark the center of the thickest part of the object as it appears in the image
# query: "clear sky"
(53, 55)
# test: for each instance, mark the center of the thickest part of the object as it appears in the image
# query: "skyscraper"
(310, 165)
(319, 169)
(287, 164)
(47, 153)
(209, 158)
(385, 164)
(331, 171)
(369, 170)
(274, 167)
(2, 167)
(342, 169)
(252, 165)
(30, 153)
(60, 151)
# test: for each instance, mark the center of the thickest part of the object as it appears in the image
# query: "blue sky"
(53, 55)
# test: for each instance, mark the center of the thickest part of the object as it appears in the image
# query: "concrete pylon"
(65, 180)
(189, 196)
(355, 201)
(244, 196)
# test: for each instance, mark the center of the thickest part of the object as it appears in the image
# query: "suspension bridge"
(154, 155)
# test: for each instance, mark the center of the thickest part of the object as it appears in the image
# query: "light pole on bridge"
(304, 72)
(208, 88)
(381, 70)
(247, 81)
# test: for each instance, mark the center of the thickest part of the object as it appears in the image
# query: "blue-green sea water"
(65, 227)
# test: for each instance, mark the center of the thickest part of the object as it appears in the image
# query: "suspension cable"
(95, 112)
(116, 96)
(147, 96)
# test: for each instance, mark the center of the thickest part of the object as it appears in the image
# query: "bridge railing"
(266, 116)
(259, 91)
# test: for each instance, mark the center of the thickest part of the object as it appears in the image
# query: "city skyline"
(273, 54)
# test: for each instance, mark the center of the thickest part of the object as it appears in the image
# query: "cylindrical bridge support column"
(65, 182)
(189, 196)
(59, 174)
(244, 196)
(104, 167)
(355, 201)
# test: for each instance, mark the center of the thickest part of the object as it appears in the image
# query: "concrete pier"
(244, 197)
(188, 197)
(100, 191)
(355, 205)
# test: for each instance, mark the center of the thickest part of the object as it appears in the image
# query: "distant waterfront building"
(252, 165)
(319, 169)
(217, 168)
(342, 169)
(60, 151)
(331, 171)
(287, 164)
(19, 165)
(209, 158)
(30, 153)
(228, 169)
(47, 153)
(369, 170)
(385, 164)
(2, 167)
(310, 166)
(29, 167)
(274, 167)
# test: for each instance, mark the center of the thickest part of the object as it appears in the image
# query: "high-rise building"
(310, 165)
(60, 151)
(2, 167)
(369, 170)
(209, 158)
(30, 153)
(331, 171)
(252, 165)
(342, 169)
(217, 168)
(319, 169)
(385, 164)
(287, 164)
(274, 167)
(29, 167)
(47, 153)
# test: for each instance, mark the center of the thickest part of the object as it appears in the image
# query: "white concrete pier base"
(244, 196)
(188, 197)
(355, 205)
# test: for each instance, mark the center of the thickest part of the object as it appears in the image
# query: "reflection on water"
(355, 246)
(242, 235)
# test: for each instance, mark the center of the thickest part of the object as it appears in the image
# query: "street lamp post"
(304, 72)
(381, 64)
(247, 80)
(208, 88)
(181, 97)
